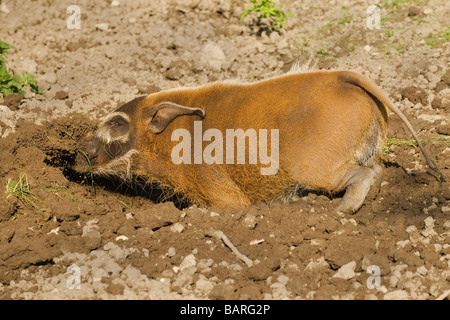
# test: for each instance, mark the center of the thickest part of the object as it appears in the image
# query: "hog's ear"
(165, 112)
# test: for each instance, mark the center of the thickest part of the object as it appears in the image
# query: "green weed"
(124, 204)
(10, 81)
(389, 33)
(412, 143)
(59, 190)
(267, 10)
(434, 40)
(398, 3)
(345, 20)
(20, 189)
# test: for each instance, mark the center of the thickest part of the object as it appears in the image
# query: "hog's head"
(124, 138)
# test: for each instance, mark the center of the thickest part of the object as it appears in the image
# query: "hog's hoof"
(357, 188)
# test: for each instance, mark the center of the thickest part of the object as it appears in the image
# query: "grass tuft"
(21, 189)
(411, 143)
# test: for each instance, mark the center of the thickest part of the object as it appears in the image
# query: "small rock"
(411, 228)
(279, 291)
(422, 270)
(396, 295)
(173, 74)
(213, 56)
(91, 229)
(132, 274)
(109, 54)
(260, 47)
(259, 272)
(129, 80)
(275, 37)
(433, 68)
(393, 280)
(198, 66)
(28, 65)
(414, 95)
(171, 252)
(129, 215)
(177, 69)
(102, 26)
(317, 264)
(204, 285)
(414, 235)
(74, 45)
(12, 101)
(177, 227)
(254, 242)
(61, 95)
(444, 129)
(188, 262)
(367, 48)
(115, 288)
(204, 265)
(115, 3)
(437, 247)
(429, 222)
(347, 271)
(214, 214)
(436, 103)
(148, 89)
(402, 243)
(115, 251)
(55, 231)
(414, 11)
(222, 291)
(250, 221)
(49, 77)
(4, 8)
(283, 279)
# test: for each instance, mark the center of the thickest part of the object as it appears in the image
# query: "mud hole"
(79, 238)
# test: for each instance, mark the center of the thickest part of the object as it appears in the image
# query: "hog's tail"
(374, 90)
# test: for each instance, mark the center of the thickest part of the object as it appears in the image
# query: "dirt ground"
(100, 239)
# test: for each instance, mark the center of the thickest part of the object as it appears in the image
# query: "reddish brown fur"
(330, 124)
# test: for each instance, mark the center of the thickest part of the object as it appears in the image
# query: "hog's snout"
(87, 155)
(92, 147)
(98, 152)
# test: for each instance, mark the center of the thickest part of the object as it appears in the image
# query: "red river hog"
(231, 144)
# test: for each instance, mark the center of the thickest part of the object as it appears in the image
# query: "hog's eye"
(117, 122)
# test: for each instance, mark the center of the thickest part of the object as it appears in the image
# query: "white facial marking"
(104, 133)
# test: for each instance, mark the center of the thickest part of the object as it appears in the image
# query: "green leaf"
(31, 81)
(28, 78)
(4, 75)
(266, 9)
(5, 91)
(4, 47)
(11, 82)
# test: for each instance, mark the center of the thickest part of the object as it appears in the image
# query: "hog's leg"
(230, 201)
(357, 185)
(221, 191)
